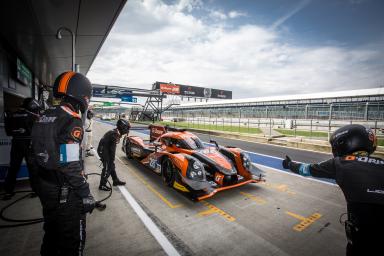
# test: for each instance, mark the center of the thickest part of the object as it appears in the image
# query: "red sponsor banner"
(170, 88)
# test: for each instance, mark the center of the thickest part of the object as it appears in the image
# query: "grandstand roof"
(324, 95)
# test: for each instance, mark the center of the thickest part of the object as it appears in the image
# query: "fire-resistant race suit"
(361, 178)
(64, 192)
(107, 151)
(19, 125)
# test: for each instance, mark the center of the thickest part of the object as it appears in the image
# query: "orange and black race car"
(188, 165)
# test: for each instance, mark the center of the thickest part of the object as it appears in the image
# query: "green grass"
(214, 127)
(302, 133)
(380, 142)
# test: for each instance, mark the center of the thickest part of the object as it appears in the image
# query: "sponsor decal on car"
(136, 151)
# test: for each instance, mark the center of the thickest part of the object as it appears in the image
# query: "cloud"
(153, 41)
(235, 14)
(218, 15)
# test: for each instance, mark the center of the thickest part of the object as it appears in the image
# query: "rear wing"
(155, 131)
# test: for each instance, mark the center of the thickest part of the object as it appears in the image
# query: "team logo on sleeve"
(77, 132)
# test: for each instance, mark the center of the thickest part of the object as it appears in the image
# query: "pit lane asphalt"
(287, 215)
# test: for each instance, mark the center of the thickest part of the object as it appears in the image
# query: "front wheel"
(128, 150)
(168, 172)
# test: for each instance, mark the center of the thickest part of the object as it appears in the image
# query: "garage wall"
(11, 94)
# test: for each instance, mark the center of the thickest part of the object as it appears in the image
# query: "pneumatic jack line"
(99, 205)
(19, 223)
(24, 222)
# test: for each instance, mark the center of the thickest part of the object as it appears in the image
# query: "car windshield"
(194, 143)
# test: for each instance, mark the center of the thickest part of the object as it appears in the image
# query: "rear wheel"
(168, 172)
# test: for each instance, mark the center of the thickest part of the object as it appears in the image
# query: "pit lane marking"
(213, 209)
(279, 187)
(149, 224)
(305, 221)
(146, 220)
(256, 199)
(157, 193)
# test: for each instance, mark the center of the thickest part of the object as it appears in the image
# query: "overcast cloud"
(153, 41)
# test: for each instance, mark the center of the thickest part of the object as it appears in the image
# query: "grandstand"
(365, 104)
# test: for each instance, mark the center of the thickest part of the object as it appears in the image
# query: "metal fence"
(310, 128)
(333, 111)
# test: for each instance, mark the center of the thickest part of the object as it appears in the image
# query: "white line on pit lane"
(155, 231)
(149, 224)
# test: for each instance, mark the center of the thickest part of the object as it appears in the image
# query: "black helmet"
(123, 126)
(75, 86)
(32, 105)
(352, 138)
(90, 114)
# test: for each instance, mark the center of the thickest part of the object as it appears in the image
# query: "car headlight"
(246, 161)
(195, 170)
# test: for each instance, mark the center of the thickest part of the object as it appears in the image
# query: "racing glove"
(89, 204)
(287, 162)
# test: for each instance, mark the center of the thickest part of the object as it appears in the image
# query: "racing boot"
(104, 188)
(118, 183)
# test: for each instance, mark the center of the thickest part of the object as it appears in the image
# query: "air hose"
(21, 222)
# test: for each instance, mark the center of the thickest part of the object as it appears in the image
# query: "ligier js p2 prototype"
(188, 165)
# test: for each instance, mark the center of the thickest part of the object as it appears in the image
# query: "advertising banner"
(23, 73)
(169, 88)
(192, 91)
(111, 92)
(129, 99)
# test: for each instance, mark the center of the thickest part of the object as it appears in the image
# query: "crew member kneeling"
(361, 178)
(63, 191)
(107, 151)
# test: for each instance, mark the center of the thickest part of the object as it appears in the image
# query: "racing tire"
(128, 150)
(168, 172)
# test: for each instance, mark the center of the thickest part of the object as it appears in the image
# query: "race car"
(190, 166)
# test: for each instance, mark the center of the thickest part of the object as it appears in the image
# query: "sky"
(252, 47)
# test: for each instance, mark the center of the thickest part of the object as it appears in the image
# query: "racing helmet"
(123, 126)
(90, 114)
(31, 104)
(75, 86)
(352, 138)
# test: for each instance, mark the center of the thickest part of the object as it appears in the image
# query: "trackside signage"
(192, 91)
(23, 74)
(169, 88)
(111, 92)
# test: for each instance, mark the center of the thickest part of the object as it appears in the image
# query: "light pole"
(59, 36)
